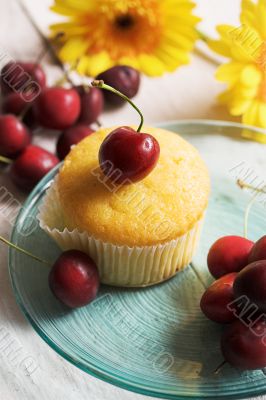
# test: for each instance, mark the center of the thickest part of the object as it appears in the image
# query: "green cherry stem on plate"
(257, 191)
(73, 278)
(101, 85)
(14, 246)
(72, 268)
(244, 185)
(247, 212)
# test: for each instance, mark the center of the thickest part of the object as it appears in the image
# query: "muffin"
(138, 234)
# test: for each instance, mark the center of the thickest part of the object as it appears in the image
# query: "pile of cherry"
(74, 277)
(71, 111)
(238, 298)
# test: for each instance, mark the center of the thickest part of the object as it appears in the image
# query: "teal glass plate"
(153, 341)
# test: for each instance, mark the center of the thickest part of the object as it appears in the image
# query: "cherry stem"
(202, 36)
(40, 57)
(257, 191)
(219, 368)
(24, 111)
(50, 47)
(66, 76)
(47, 42)
(66, 72)
(247, 212)
(244, 185)
(37, 61)
(23, 251)
(5, 160)
(100, 84)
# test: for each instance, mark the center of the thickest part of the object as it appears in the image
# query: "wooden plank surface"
(188, 93)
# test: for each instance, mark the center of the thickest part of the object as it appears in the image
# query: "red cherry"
(74, 279)
(18, 76)
(14, 136)
(71, 136)
(244, 346)
(228, 254)
(128, 155)
(215, 300)
(57, 107)
(91, 104)
(258, 252)
(14, 103)
(123, 78)
(251, 282)
(31, 166)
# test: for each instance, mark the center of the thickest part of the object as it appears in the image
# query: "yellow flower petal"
(251, 116)
(248, 92)
(64, 10)
(219, 47)
(73, 49)
(150, 65)
(225, 97)
(229, 72)
(225, 31)
(83, 65)
(245, 73)
(171, 57)
(75, 6)
(159, 32)
(95, 64)
(247, 16)
(132, 62)
(172, 4)
(247, 40)
(250, 76)
(240, 107)
(262, 115)
(178, 40)
(255, 116)
(98, 63)
(257, 136)
(69, 28)
(261, 18)
(223, 45)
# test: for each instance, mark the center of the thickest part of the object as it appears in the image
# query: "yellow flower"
(245, 73)
(153, 36)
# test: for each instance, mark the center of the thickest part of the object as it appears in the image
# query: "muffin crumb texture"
(156, 210)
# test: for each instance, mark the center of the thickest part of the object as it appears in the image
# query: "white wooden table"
(188, 93)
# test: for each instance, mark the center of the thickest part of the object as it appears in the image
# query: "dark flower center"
(124, 21)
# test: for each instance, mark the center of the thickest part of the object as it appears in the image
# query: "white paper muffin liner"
(120, 265)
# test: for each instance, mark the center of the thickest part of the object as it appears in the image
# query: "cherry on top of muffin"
(126, 155)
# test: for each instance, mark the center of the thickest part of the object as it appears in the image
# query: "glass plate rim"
(211, 122)
(93, 370)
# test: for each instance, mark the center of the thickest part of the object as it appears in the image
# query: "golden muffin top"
(161, 207)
